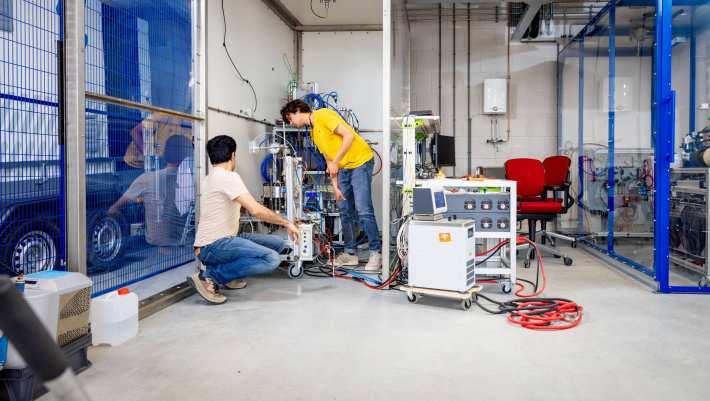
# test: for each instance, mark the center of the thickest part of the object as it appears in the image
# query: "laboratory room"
(354, 200)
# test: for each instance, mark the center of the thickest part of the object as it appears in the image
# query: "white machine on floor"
(441, 252)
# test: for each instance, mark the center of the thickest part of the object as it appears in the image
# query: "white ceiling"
(340, 12)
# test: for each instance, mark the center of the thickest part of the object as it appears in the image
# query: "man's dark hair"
(294, 106)
(177, 148)
(221, 148)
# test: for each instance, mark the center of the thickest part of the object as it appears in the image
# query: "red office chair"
(529, 174)
(557, 184)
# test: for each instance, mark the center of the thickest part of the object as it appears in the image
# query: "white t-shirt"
(185, 191)
(164, 223)
(219, 212)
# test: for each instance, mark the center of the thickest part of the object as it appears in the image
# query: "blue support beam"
(664, 125)
(580, 141)
(612, 108)
(651, 3)
(693, 61)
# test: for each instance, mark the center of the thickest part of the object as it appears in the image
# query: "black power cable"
(229, 56)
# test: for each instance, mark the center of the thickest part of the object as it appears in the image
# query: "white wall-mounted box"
(495, 96)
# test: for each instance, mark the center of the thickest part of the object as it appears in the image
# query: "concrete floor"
(324, 339)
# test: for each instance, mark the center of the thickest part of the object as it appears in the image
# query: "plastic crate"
(21, 384)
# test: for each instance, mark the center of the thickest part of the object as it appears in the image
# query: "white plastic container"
(44, 304)
(114, 318)
(74, 291)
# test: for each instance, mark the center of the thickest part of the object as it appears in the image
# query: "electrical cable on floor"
(229, 56)
(530, 311)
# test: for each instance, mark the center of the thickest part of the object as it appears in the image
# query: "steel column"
(468, 89)
(612, 107)
(693, 61)
(663, 140)
(580, 140)
(75, 145)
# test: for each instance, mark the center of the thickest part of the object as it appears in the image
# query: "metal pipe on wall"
(436, 134)
(453, 73)
(507, 89)
(468, 83)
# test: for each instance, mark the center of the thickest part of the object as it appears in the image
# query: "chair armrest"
(567, 200)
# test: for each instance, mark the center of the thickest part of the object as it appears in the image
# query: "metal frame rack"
(503, 265)
(291, 186)
(662, 34)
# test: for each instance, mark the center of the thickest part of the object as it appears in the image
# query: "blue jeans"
(355, 184)
(246, 255)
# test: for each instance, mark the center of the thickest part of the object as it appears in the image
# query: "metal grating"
(31, 165)
(140, 188)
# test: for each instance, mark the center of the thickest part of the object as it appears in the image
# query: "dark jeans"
(246, 255)
(355, 185)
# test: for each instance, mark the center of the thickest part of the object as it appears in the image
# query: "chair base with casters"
(533, 233)
(533, 204)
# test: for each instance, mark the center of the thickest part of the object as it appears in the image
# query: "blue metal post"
(691, 90)
(663, 142)
(580, 139)
(612, 106)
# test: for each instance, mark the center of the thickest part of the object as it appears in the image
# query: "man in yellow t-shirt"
(350, 164)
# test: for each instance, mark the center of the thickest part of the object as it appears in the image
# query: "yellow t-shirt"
(328, 142)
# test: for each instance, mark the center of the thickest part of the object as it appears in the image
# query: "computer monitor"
(444, 150)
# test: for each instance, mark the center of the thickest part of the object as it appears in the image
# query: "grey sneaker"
(346, 259)
(236, 284)
(374, 263)
(207, 289)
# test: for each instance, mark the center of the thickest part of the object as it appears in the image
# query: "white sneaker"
(374, 263)
(346, 259)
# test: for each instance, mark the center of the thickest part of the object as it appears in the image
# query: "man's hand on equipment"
(332, 168)
(293, 232)
(338, 194)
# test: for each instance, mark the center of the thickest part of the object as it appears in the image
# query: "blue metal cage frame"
(662, 127)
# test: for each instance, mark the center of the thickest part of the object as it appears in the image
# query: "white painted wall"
(351, 64)
(533, 94)
(257, 40)
(339, 12)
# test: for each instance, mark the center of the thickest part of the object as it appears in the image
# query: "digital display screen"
(439, 199)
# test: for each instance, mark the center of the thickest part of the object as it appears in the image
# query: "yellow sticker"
(444, 237)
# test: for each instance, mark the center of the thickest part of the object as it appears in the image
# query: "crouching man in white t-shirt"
(228, 256)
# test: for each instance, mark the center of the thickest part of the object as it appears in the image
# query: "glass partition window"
(140, 191)
(690, 64)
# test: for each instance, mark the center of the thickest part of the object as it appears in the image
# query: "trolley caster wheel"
(295, 271)
(412, 298)
(567, 261)
(466, 304)
(507, 288)
(573, 244)
(703, 282)
(526, 264)
(557, 256)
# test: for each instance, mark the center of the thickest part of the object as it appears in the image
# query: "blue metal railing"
(31, 212)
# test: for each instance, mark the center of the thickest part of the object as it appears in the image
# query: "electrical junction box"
(489, 211)
(305, 243)
(442, 254)
(495, 96)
